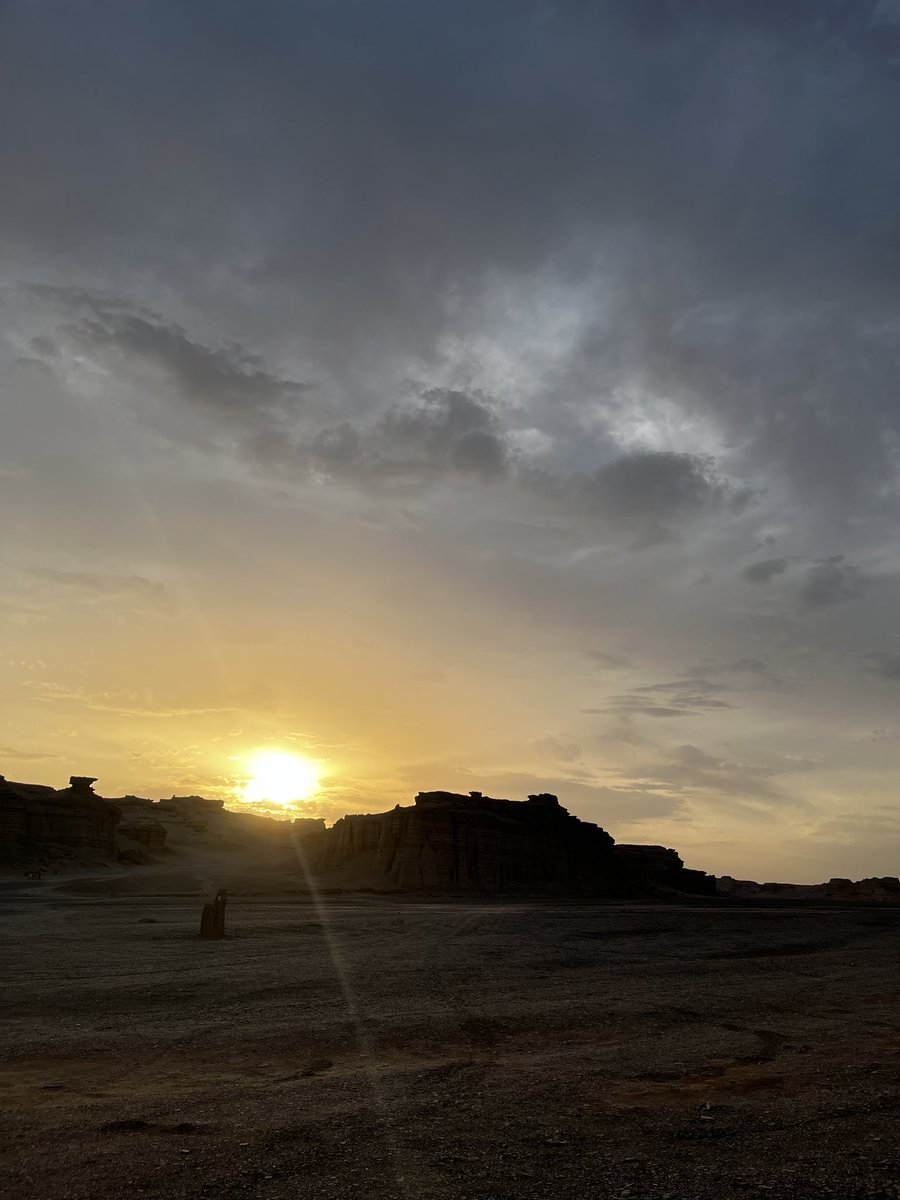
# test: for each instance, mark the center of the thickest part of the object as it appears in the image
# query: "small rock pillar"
(212, 923)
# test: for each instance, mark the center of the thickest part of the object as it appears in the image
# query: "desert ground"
(367, 1048)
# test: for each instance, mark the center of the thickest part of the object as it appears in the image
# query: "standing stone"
(212, 922)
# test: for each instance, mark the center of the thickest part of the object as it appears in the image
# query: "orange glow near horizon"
(279, 777)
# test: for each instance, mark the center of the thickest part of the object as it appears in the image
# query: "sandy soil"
(481, 1051)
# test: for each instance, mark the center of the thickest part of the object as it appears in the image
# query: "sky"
(470, 396)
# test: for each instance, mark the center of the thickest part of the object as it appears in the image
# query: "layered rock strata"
(36, 820)
(455, 843)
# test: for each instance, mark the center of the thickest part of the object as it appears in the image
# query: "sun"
(279, 777)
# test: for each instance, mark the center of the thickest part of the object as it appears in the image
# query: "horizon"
(504, 396)
(290, 810)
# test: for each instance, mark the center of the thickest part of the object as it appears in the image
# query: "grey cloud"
(826, 581)
(609, 661)
(766, 570)
(656, 487)
(591, 801)
(563, 749)
(696, 684)
(224, 377)
(443, 431)
(755, 666)
(336, 450)
(637, 706)
(885, 664)
(763, 677)
(377, 218)
(689, 694)
(447, 428)
(689, 768)
(832, 581)
(479, 452)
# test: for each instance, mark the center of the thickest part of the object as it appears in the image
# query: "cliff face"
(450, 842)
(657, 868)
(35, 819)
(444, 843)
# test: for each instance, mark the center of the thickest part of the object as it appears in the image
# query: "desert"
(381, 1047)
(666, 1036)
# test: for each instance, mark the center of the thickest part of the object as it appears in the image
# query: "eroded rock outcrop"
(37, 821)
(443, 843)
(662, 870)
(193, 811)
(475, 843)
(150, 834)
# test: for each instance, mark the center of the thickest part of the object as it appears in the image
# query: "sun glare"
(279, 777)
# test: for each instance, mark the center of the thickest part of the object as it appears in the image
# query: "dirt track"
(475, 1051)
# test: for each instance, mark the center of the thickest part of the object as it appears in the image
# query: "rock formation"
(36, 821)
(885, 887)
(453, 843)
(193, 811)
(150, 834)
(444, 843)
(663, 869)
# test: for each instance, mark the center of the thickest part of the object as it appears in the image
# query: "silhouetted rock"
(885, 888)
(151, 834)
(474, 843)
(659, 869)
(35, 821)
(193, 811)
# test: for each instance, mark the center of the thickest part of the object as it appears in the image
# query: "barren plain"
(367, 1048)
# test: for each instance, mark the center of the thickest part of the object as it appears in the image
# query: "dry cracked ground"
(368, 1049)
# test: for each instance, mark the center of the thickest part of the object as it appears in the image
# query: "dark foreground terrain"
(375, 1049)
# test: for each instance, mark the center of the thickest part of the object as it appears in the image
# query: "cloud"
(656, 487)
(17, 755)
(226, 380)
(766, 570)
(635, 706)
(89, 583)
(122, 703)
(562, 749)
(693, 771)
(832, 581)
(885, 664)
(608, 661)
(688, 696)
(439, 433)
